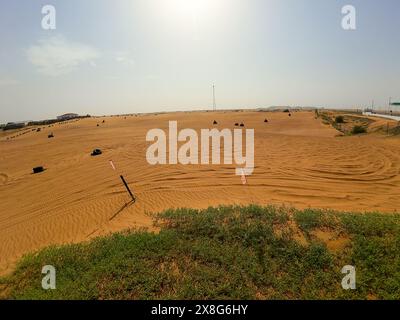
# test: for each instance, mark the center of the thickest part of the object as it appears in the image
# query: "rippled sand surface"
(299, 162)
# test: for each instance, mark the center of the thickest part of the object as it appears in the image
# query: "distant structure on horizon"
(392, 109)
(68, 116)
(214, 103)
(281, 108)
(13, 125)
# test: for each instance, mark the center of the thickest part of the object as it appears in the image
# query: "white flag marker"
(112, 165)
(243, 177)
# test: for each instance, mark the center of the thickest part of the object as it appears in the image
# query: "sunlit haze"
(124, 56)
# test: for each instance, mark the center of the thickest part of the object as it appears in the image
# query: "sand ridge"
(299, 162)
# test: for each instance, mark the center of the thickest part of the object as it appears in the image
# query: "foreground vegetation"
(225, 253)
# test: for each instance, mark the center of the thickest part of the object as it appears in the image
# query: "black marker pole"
(127, 188)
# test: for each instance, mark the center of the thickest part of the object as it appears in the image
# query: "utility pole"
(214, 104)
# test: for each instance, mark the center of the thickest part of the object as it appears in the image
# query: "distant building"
(68, 116)
(14, 125)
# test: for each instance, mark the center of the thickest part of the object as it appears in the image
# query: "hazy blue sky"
(126, 56)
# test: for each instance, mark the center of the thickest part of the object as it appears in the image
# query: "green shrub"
(358, 130)
(339, 119)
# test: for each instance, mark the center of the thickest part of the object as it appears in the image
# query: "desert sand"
(299, 162)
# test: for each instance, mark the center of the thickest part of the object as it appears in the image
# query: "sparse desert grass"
(396, 130)
(224, 253)
(346, 123)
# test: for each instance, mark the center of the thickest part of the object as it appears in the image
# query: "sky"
(129, 56)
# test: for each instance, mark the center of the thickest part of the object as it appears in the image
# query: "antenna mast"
(214, 104)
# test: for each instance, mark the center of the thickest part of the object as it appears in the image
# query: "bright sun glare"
(190, 11)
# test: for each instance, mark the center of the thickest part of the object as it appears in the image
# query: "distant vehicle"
(96, 152)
